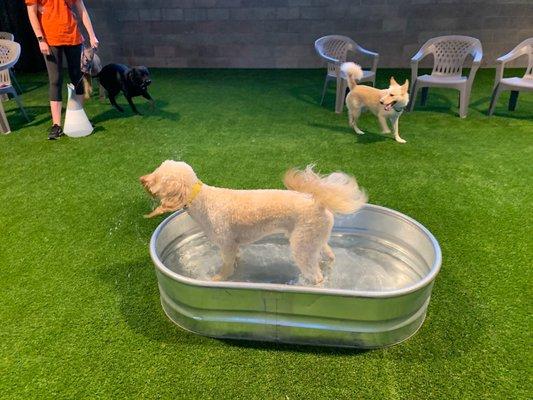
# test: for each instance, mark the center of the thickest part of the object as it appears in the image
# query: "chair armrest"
(509, 57)
(373, 55)
(367, 52)
(473, 70)
(422, 53)
(330, 59)
(478, 55)
(515, 53)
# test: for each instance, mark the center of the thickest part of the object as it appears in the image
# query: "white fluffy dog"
(234, 217)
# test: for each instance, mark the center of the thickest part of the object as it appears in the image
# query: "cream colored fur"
(386, 104)
(231, 218)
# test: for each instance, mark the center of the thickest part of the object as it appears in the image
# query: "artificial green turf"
(80, 315)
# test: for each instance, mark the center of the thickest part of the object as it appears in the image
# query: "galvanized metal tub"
(375, 294)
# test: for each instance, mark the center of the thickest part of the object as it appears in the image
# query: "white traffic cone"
(76, 122)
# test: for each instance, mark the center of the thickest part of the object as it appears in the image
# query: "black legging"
(54, 65)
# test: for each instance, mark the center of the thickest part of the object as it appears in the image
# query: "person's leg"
(73, 56)
(54, 64)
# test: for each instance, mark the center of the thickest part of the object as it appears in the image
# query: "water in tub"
(362, 262)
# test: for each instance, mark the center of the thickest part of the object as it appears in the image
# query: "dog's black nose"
(148, 81)
(381, 101)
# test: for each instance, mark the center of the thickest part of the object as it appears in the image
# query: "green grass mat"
(80, 315)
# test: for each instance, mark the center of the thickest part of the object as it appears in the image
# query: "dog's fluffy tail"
(338, 192)
(354, 72)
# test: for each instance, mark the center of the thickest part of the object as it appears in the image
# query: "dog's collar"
(194, 192)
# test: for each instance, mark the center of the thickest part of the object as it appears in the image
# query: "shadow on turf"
(367, 138)
(145, 109)
(293, 348)
(501, 110)
(138, 300)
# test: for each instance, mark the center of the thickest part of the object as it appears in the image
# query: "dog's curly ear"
(173, 192)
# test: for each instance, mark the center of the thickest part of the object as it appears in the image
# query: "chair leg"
(4, 125)
(341, 95)
(513, 99)
(14, 81)
(495, 95)
(412, 101)
(424, 96)
(463, 102)
(324, 89)
(19, 102)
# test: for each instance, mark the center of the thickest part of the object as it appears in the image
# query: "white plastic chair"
(514, 84)
(9, 55)
(449, 54)
(10, 36)
(334, 50)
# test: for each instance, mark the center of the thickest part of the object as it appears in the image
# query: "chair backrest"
(335, 46)
(7, 36)
(9, 55)
(450, 53)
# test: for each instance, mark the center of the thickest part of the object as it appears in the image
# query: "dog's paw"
(319, 279)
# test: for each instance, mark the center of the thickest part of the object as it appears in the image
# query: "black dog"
(116, 78)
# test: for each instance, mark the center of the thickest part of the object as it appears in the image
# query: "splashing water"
(363, 262)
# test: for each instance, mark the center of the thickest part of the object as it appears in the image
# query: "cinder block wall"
(280, 33)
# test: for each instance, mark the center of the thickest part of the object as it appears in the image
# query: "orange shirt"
(58, 22)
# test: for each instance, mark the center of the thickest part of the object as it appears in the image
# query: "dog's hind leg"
(113, 101)
(328, 253)
(328, 257)
(229, 255)
(305, 247)
(354, 114)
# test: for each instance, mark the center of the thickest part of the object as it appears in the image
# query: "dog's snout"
(148, 81)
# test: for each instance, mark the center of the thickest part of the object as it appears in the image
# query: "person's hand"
(45, 49)
(94, 42)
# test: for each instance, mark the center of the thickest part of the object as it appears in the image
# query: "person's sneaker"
(55, 132)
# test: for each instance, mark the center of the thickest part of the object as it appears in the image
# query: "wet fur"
(231, 218)
(377, 101)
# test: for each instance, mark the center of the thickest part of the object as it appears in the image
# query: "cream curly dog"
(234, 217)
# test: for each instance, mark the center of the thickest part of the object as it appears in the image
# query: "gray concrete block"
(312, 12)
(172, 14)
(195, 14)
(147, 14)
(281, 33)
(125, 15)
(287, 13)
(218, 13)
